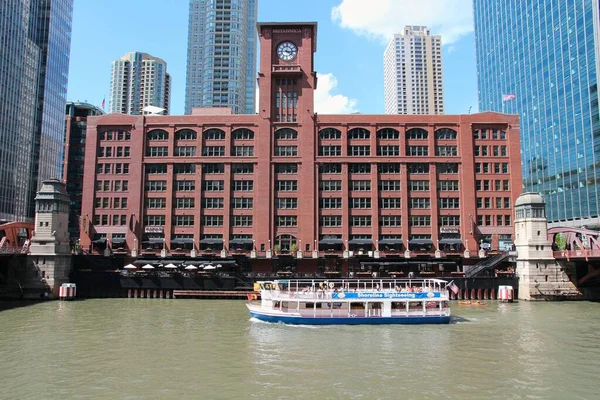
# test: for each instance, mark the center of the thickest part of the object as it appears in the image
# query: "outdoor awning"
(361, 241)
(420, 241)
(240, 241)
(118, 241)
(390, 241)
(450, 241)
(331, 241)
(100, 241)
(182, 240)
(153, 241)
(211, 241)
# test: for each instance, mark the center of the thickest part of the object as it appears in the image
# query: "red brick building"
(289, 179)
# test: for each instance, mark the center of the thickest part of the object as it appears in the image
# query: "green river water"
(205, 349)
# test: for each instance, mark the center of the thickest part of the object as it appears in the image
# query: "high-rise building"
(75, 129)
(139, 80)
(539, 59)
(287, 179)
(412, 73)
(34, 67)
(221, 57)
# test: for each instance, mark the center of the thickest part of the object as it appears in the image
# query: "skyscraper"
(34, 67)
(412, 73)
(221, 57)
(539, 59)
(139, 80)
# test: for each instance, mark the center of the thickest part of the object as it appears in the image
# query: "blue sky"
(352, 36)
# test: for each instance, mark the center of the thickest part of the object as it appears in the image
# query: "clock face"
(287, 51)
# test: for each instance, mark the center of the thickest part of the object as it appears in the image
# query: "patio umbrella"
(148, 266)
(210, 267)
(219, 266)
(171, 266)
(130, 266)
(191, 267)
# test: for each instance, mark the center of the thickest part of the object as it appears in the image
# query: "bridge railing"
(582, 253)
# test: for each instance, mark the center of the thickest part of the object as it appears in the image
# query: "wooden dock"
(211, 294)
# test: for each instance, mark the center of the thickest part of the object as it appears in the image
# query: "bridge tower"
(50, 250)
(540, 275)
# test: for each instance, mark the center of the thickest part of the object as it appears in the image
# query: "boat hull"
(298, 320)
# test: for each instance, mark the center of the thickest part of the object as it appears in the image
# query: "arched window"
(157, 134)
(213, 134)
(388, 134)
(186, 134)
(416, 133)
(330, 134)
(285, 243)
(359, 133)
(445, 134)
(286, 134)
(243, 134)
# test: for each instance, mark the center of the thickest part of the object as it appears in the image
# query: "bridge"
(581, 246)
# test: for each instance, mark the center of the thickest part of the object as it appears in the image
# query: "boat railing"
(349, 285)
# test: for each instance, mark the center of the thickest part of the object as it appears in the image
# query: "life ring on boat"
(252, 296)
(352, 315)
(331, 285)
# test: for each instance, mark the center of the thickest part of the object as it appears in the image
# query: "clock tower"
(287, 82)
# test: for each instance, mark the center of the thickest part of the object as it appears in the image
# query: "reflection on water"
(143, 348)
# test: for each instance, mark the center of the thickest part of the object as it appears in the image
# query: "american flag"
(103, 102)
(507, 97)
(452, 286)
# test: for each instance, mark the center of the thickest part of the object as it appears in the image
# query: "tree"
(293, 248)
(561, 241)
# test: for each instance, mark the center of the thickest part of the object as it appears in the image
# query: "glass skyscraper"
(221, 57)
(539, 59)
(34, 66)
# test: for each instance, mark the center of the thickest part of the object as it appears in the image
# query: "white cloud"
(381, 19)
(328, 103)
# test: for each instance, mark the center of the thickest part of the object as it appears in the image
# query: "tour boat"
(351, 302)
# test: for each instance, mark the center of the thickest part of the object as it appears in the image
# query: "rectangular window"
(450, 202)
(286, 151)
(287, 220)
(447, 168)
(243, 186)
(185, 186)
(185, 202)
(418, 186)
(330, 151)
(359, 151)
(448, 186)
(449, 220)
(330, 186)
(417, 168)
(185, 151)
(390, 220)
(360, 220)
(420, 220)
(242, 203)
(330, 168)
(213, 151)
(156, 186)
(420, 202)
(286, 169)
(391, 202)
(157, 151)
(360, 202)
(286, 186)
(389, 150)
(214, 168)
(214, 186)
(361, 168)
(331, 203)
(184, 220)
(446, 151)
(389, 168)
(286, 203)
(154, 220)
(389, 186)
(360, 186)
(242, 220)
(417, 151)
(331, 221)
(186, 169)
(212, 220)
(243, 151)
(156, 169)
